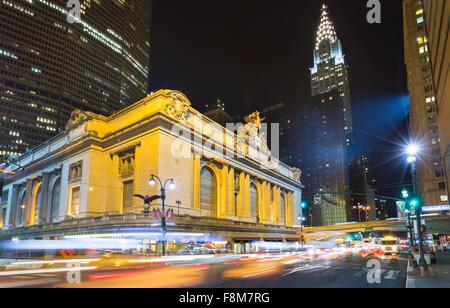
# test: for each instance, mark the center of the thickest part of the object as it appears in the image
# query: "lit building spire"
(326, 29)
(330, 71)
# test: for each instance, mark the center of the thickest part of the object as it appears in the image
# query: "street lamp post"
(162, 186)
(405, 195)
(361, 208)
(413, 151)
(367, 209)
(359, 212)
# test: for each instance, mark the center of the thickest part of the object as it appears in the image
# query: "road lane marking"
(302, 269)
(392, 275)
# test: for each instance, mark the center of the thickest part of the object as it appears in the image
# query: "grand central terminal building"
(228, 187)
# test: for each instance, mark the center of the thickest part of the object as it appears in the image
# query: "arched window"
(56, 194)
(254, 202)
(283, 210)
(208, 192)
(37, 205)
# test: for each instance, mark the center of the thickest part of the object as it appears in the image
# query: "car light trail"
(72, 261)
(48, 271)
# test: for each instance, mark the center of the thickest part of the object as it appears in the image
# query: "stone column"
(196, 181)
(137, 175)
(242, 197)
(246, 202)
(223, 193)
(115, 189)
(276, 205)
(45, 205)
(231, 204)
(264, 202)
(13, 207)
(29, 203)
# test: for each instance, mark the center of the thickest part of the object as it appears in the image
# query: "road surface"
(306, 270)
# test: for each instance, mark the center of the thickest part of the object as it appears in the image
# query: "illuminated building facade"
(437, 19)
(424, 105)
(87, 176)
(50, 67)
(330, 71)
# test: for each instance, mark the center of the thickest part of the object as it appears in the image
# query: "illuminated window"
(128, 197)
(254, 202)
(75, 202)
(283, 210)
(56, 193)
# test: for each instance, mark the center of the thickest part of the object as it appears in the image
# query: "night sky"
(216, 49)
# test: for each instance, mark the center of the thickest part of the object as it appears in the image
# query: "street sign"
(401, 209)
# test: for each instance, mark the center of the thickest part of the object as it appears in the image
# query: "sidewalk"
(438, 276)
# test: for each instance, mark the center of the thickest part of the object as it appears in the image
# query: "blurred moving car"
(390, 245)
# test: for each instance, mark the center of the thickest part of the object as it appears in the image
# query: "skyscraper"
(326, 125)
(323, 158)
(330, 71)
(436, 16)
(49, 67)
(424, 106)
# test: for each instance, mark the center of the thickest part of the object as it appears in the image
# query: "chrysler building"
(330, 72)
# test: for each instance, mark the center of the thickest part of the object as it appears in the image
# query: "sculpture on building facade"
(297, 175)
(251, 134)
(78, 118)
(179, 107)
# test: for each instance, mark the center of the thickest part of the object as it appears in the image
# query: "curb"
(410, 282)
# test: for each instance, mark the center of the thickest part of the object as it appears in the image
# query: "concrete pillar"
(13, 207)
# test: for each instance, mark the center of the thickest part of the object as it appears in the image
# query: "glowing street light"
(405, 194)
(412, 151)
(162, 186)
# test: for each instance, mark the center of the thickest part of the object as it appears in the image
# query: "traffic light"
(415, 203)
(304, 205)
